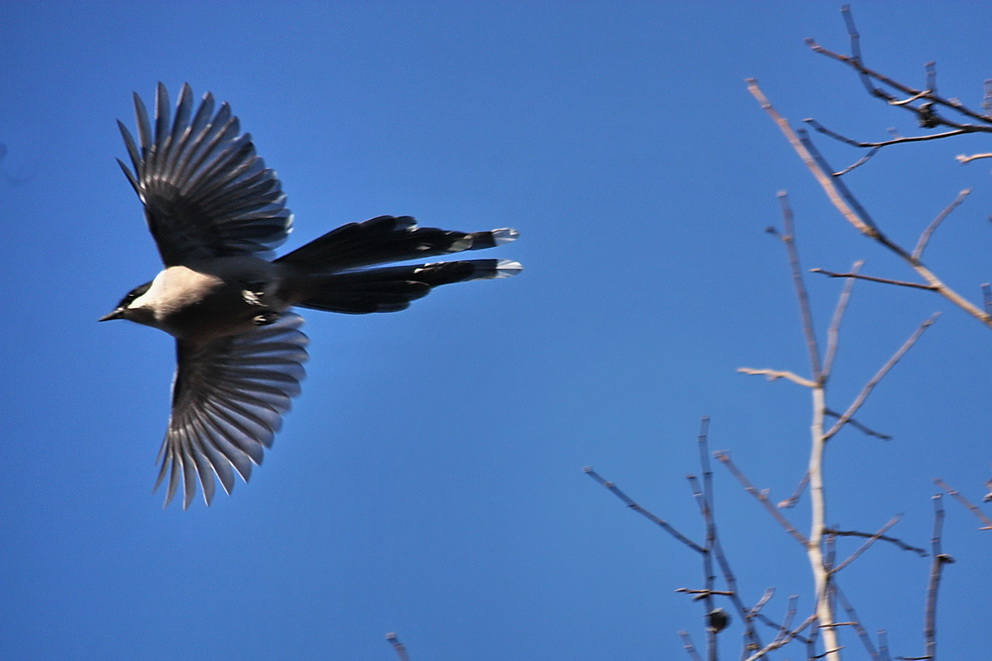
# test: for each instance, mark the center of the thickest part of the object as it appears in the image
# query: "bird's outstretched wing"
(227, 403)
(206, 193)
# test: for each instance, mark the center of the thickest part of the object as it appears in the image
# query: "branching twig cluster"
(931, 110)
(819, 631)
(713, 555)
(820, 628)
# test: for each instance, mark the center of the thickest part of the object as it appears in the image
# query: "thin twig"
(398, 646)
(843, 191)
(790, 614)
(866, 391)
(702, 594)
(939, 560)
(802, 296)
(820, 128)
(858, 163)
(885, 538)
(853, 616)
(769, 593)
(964, 158)
(921, 245)
(689, 647)
(833, 332)
(784, 640)
(750, 634)
(883, 644)
(792, 500)
(887, 281)
(855, 40)
(911, 93)
(724, 457)
(967, 503)
(774, 375)
(704, 497)
(643, 512)
(867, 431)
(864, 547)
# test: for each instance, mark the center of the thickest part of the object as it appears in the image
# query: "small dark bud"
(718, 620)
(927, 117)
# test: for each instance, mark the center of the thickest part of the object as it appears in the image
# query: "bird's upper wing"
(206, 193)
(228, 399)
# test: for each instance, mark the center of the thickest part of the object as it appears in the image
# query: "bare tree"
(822, 631)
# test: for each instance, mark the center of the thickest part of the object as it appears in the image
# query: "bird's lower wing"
(228, 400)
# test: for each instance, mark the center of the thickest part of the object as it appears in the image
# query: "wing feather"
(228, 400)
(206, 192)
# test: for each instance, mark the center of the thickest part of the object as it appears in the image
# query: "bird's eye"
(133, 294)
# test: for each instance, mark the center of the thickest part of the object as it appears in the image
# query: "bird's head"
(127, 309)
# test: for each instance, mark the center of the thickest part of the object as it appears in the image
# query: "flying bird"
(216, 213)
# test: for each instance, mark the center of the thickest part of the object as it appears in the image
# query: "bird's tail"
(330, 273)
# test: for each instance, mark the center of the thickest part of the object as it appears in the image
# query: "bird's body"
(208, 299)
(216, 213)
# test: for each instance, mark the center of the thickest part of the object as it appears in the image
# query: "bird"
(216, 214)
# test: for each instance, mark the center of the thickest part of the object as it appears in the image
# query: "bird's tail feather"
(391, 289)
(329, 272)
(387, 239)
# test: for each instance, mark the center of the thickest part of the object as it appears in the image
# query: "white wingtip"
(504, 235)
(506, 268)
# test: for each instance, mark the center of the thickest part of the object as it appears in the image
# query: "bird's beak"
(116, 314)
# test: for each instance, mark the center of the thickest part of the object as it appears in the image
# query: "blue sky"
(429, 479)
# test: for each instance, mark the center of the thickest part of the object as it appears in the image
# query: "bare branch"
(853, 616)
(704, 497)
(970, 506)
(689, 647)
(833, 332)
(790, 614)
(769, 592)
(964, 158)
(643, 512)
(842, 190)
(858, 163)
(820, 128)
(866, 391)
(939, 560)
(774, 375)
(809, 332)
(925, 236)
(702, 594)
(885, 538)
(860, 427)
(784, 640)
(871, 278)
(791, 501)
(864, 547)
(724, 457)
(883, 644)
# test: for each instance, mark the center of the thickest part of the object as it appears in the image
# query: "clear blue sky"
(429, 479)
